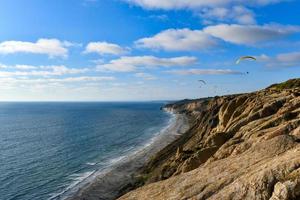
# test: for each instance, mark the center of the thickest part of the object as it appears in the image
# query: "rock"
(282, 191)
(178, 152)
(238, 147)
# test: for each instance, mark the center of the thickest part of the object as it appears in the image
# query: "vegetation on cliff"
(290, 84)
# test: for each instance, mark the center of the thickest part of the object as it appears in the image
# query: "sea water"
(48, 148)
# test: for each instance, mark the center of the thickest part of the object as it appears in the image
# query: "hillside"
(238, 147)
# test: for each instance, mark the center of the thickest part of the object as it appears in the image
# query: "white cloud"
(237, 14)
(116, 67)
(105, 48)
(178, 40)
(129, 64)
(24, 67)
(196, 4)
(250, 34)
(205, 72)
(145, 76)
(50, 47)
(27, 70)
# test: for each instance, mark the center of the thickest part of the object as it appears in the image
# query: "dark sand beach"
(113, 182)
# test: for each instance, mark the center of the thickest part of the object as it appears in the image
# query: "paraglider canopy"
(202, 81)
(245, 58)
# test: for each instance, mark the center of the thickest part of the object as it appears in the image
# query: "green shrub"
(290, 84)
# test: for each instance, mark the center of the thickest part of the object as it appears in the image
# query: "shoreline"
(110, 183)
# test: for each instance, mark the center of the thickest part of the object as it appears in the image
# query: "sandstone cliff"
(243, 146)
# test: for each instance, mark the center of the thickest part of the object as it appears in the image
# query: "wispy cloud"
(11, 80)
(291, 59)
(53, 88)
(159, 17)
(205, 72)
(50, 47)
(130, 64)
(28, 70)
(145, 76)
(82, 79)
(105, 48)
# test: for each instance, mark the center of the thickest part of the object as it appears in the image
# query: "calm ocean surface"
(47, 147)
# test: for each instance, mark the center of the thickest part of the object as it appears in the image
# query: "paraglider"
(202, 81)
(245, 58)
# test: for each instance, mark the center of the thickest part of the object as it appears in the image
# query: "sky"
(143, 50)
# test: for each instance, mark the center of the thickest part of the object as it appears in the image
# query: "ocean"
(47, 149)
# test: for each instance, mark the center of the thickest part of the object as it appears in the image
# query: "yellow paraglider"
(245, 58)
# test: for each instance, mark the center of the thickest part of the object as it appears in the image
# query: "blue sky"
(132, 50)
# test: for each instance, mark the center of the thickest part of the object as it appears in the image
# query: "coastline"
(114, 181)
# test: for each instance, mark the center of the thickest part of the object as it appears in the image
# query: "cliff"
(244, 146)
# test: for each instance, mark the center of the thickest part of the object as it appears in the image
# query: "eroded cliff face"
(238, 147)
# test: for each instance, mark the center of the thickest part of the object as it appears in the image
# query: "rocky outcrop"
(238, 147)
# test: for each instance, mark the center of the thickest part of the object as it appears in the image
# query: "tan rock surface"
(238, 147)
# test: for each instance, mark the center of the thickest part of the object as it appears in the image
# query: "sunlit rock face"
(243, 146)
